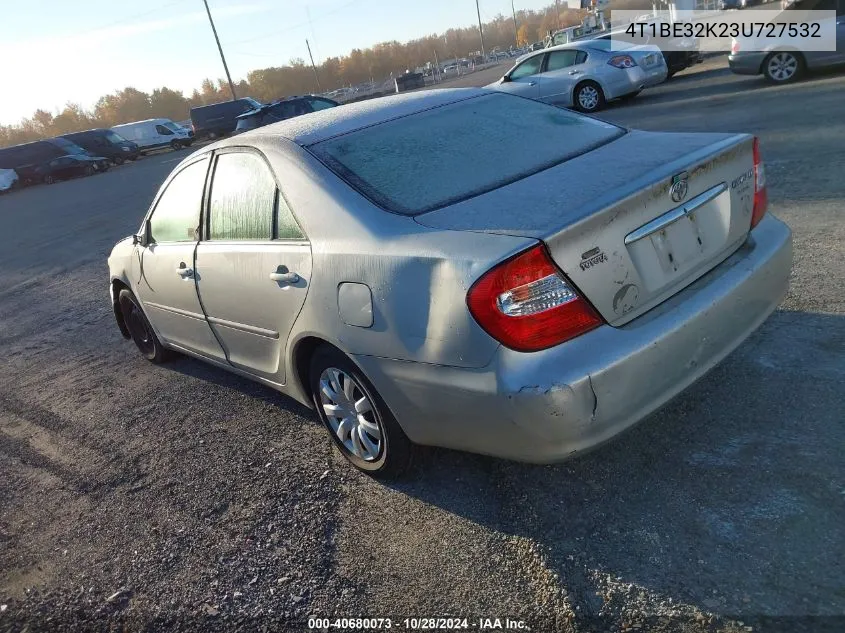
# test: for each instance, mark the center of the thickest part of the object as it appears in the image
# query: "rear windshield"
(437, 157)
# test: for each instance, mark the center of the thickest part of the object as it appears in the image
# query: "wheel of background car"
(49, 180)
(140, 329)
(359, 423)
(781, 67)
(117, 160)
(175, 145)
(589, 97)
(89, 171)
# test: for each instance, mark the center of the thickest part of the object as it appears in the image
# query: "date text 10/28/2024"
(416, 624)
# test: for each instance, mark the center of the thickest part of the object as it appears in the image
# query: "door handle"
(532, 83)
(574, 72)
(184, 272)
(285, 278)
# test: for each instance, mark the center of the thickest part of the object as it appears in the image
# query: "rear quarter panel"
(418, 277)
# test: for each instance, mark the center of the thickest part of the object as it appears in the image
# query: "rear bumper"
(546, 406)
(746, 63)
(655, 76)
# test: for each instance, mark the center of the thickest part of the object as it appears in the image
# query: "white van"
(155, 134)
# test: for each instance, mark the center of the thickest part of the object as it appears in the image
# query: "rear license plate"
(678, 244)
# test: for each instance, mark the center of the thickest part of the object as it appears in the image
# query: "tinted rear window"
(437, 157)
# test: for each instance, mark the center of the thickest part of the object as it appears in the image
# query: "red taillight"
(734, 47)
(761, 198)
(527, 304)
(622, 61)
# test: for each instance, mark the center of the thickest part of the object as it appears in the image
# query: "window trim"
(205, 220)
(165, 186)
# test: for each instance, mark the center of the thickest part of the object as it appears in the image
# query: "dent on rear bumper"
(546, 406)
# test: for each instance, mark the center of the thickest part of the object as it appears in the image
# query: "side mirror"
(506, 79)
(142, 239)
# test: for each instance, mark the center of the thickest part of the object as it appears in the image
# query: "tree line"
(377, 63)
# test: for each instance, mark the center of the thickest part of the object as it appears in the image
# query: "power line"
(294, 27)
(136, 16)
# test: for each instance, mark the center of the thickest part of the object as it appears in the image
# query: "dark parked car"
(65, 167)
(281, 110)
(219, 119)
(105, 142)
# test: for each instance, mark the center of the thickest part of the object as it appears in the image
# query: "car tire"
(175, 145)
(89, 171)
(49, 180)
(336, 382)
(140, 330)
(783, 67)
(117, 160)
(588, 97)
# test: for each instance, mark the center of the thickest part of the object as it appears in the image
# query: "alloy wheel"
(588, 97)
(782, 66)
(350, 414)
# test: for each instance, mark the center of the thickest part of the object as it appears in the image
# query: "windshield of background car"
(115, 138)
(249, 122)
(70, 148)
(460, 150)
(173, 127)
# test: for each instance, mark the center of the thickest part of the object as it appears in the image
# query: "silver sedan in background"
(526, 282)
(585, 74)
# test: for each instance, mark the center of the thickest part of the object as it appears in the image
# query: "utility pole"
(220, 48)
(515, 27)
(436, 67)
(557, 13)
(480, 31)
(316, 77)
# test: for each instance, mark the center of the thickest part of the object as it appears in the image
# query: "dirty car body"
(526, 283)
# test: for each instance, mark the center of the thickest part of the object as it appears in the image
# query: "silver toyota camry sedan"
(458, 268)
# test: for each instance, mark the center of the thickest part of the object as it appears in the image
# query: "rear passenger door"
(253, 265)
(563, 70)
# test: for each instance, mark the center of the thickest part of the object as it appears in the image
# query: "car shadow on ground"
(188, 366)
(729, 499)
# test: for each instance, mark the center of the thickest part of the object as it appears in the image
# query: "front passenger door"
(164, 267)
(524, 79)
(254, 264)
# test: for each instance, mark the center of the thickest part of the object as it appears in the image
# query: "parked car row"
(94, 151)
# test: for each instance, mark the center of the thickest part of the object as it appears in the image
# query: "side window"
(177, 214)
(530, 66)
(243, 198)
(561, 59)
(581, 57)
(163, 130)
(286, 226)
(320, 104)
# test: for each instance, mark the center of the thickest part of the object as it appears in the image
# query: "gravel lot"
(178, 497)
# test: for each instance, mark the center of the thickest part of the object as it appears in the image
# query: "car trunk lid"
(632, 222)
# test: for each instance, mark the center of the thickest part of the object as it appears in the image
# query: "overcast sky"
(55, 51)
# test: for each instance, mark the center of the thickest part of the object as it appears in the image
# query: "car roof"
(324, 124)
